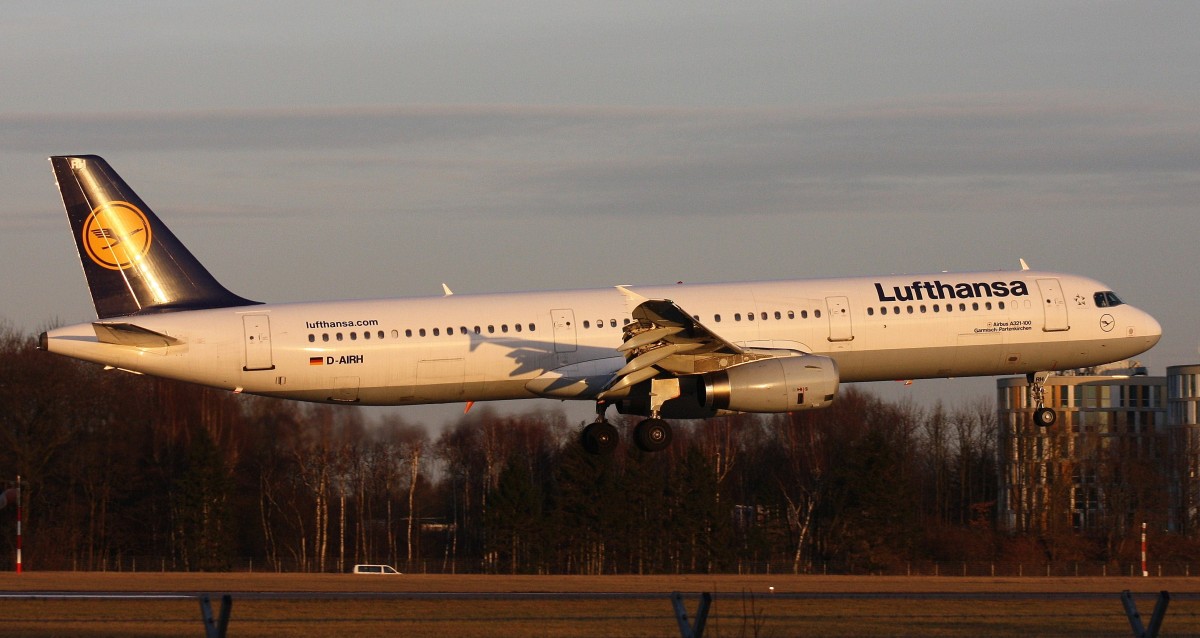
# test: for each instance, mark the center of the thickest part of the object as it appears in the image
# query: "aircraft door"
(564, 330)
(840, 328)
(1054, 305)
(258, 342)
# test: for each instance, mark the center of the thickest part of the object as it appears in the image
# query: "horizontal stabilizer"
(127, 334)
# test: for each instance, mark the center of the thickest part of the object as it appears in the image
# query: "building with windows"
(1109, 461)
(1183, 397)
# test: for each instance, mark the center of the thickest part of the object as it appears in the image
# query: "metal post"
(1144, 572)
(1135, 619)
(686, 629)
(217, 628)
(18, 523)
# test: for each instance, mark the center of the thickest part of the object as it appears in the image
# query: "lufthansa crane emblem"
(116, 235)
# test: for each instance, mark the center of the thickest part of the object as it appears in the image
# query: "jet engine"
(783, 384)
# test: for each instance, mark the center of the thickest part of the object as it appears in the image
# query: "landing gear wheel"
(1044, 417)
(599, 438)
(652, 435)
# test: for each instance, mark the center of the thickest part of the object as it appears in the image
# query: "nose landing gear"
(1045, 417)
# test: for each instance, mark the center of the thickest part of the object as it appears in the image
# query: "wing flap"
(664, 339)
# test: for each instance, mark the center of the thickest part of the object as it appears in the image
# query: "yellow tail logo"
(116, 235)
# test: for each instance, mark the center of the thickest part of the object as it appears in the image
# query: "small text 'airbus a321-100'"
(677, 351)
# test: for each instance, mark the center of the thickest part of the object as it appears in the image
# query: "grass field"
(745, 606)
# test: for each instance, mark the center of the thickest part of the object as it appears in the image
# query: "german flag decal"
(316, 361)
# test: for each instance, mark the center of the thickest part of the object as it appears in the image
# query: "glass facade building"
(1103, 465)
(1183, 397)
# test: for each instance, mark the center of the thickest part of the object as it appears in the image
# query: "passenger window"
(408, 332)
(949, 307)
(910, 310)
(962, 307)
(777, 315)
(435, 332)
(804, 314)
(312, 338)
(532, 327)
(395, 333)
(716, 318)
(491, 329)
(764, 316)
(504, 328)
(462, 330)
(1000, 304)
(612, 322)
(477, 330)
(870, 311)
(325, 337)
(354, 336)
(421, 332)
(922, 308)
(817, 314)
(339, 336)
(587, 324)
(518, 327)
(737, 316)
(988, 305)
(937, 308)
(975, 305)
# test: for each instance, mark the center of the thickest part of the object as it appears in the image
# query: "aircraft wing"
(665, 339)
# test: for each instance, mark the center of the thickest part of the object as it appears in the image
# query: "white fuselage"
(509, 346)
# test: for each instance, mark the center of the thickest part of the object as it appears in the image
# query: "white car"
(375, 569)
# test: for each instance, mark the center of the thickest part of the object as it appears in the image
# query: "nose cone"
(1152, 329)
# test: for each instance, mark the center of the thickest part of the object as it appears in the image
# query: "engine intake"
(784, 384)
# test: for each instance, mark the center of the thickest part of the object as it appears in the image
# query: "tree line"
(118, 467)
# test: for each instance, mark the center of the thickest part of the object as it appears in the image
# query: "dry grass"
(746, 609)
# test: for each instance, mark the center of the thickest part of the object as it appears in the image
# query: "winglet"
(631, 295)
(446, 289)
(1024, 266)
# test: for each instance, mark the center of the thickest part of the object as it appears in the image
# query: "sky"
(311, 151)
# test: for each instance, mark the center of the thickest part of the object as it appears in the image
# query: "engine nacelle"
(784, 384)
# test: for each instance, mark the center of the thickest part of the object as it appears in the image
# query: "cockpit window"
(1107, 299)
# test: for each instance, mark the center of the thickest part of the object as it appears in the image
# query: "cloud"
(941, 155)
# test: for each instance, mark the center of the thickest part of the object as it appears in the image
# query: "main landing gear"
(1042, 415)
(600, 437)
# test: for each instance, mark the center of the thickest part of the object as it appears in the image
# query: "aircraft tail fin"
(132, 261)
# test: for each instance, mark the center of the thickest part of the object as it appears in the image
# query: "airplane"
(661, 352)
